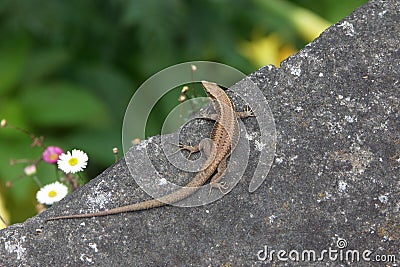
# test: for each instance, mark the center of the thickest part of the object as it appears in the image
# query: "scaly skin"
(225, 136)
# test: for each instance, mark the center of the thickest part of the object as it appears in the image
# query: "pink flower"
(51, 154)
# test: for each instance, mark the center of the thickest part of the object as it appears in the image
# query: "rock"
(333, 189)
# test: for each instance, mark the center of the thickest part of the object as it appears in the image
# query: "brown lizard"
(224, 137)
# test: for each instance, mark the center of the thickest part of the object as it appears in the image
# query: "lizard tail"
(153, 203)
(148, 204)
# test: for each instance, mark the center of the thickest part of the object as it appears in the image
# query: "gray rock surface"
(334, 184)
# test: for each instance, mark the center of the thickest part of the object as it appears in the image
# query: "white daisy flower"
(72, 162)
(51, 193)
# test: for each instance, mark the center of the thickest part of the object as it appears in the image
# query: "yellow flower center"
(52, 193)
(53, 156)
(73, 161)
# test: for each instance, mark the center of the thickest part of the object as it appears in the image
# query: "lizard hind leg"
(215, 180)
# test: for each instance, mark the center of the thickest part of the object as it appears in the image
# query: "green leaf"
(43, 63)
(63, 104)
(12, 111)
(12, 64)
(109, 84)
(19, 198)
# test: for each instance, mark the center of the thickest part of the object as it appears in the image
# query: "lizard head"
(212, 89)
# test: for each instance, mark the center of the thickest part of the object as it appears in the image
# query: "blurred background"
(69, 68)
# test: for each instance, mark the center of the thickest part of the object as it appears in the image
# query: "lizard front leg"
(190, 148)
(247, 112)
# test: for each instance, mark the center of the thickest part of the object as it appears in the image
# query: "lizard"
(224, 138)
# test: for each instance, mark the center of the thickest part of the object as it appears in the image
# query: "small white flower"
(51, 193)
(30, 170)
(72, 162)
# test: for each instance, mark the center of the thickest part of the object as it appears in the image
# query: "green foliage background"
(69, 68)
